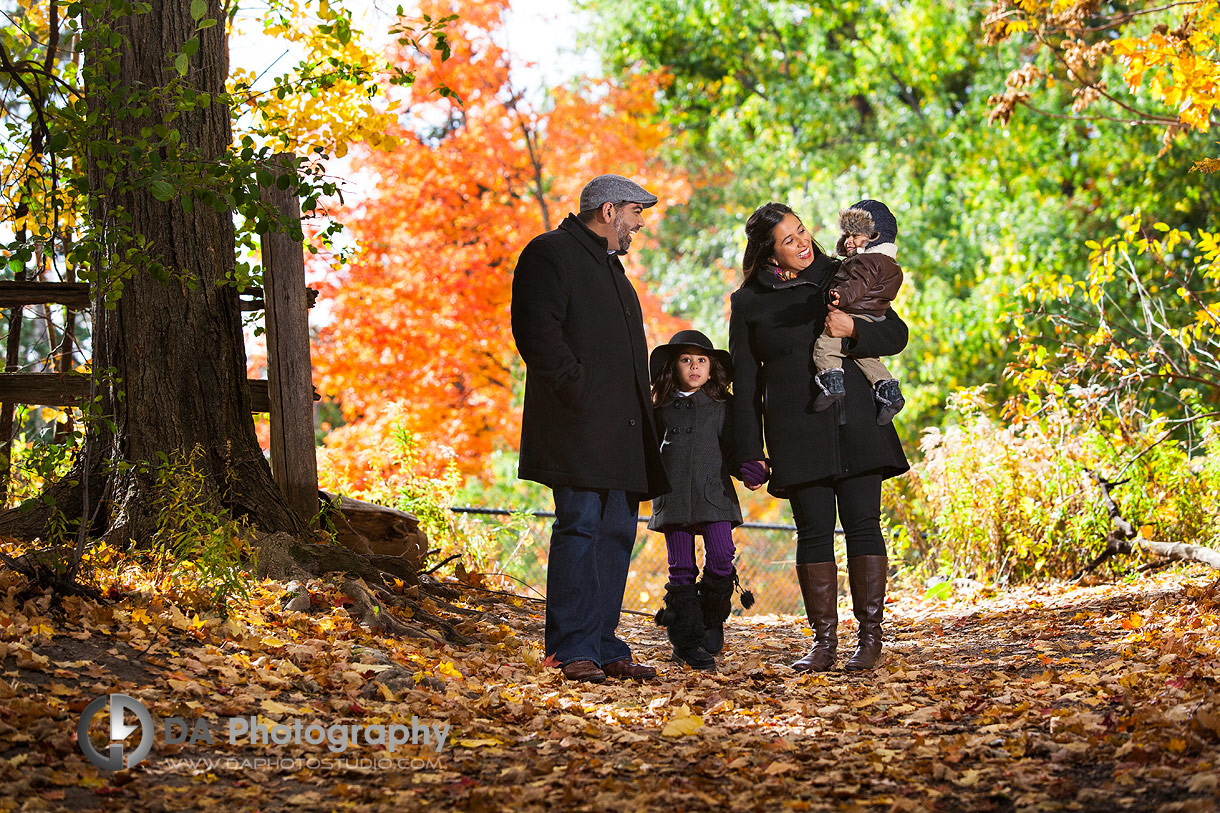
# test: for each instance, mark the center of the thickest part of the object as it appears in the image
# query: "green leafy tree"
(822, 104)
(1135, 328)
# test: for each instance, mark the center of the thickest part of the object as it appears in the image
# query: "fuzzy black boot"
(716, 599)
(831, 385)
(682, 618)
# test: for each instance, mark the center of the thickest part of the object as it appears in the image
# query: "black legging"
(859, 504)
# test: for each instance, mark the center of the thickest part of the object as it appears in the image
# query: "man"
(587, 430)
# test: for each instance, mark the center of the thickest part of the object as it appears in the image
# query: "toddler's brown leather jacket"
(867, 284)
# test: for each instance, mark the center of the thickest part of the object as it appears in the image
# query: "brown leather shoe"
(627, 669)
(583, 670)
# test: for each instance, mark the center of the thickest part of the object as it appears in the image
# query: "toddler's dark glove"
(752, 473)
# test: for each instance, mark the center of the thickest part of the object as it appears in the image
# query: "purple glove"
(752, 473)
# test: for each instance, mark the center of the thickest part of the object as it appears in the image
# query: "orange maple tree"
(419, 337)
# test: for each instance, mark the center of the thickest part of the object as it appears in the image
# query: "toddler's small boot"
(830, 382)
(889, 400)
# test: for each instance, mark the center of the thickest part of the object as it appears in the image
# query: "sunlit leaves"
(1167, 56)
(1144, 321)
(682, 724)
(1185, 64)
(333, 97)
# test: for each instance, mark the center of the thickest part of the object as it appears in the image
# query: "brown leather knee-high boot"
(820, 589)
(866, 575)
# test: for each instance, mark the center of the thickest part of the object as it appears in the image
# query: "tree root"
(373, 614)
(43, 571)
(522, 610)
(281, 556)
(452, 634)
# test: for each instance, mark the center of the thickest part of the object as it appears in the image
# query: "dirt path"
(1057, 698)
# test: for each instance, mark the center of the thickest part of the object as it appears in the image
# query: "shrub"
(1016, 502)
(200, 552)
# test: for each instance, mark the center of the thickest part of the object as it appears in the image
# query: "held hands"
(839, 324)
(754, 473)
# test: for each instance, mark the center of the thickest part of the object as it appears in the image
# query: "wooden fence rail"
(15, 293)
(75, 295)
(72, 389)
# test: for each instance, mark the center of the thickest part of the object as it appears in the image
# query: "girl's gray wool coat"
(695, 436)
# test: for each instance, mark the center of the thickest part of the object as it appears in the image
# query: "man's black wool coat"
(588, 419)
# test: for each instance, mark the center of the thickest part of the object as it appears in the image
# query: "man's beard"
(624, 234)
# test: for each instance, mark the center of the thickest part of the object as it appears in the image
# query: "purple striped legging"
(717, 546)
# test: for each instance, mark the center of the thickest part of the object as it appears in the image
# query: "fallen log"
(377, 530)
(1124, 538)
(1176, 551)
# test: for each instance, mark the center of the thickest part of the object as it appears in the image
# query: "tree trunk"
(168, 356)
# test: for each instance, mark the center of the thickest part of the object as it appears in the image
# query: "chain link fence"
(765, 560)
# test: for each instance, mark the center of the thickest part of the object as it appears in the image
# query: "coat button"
(631, 422)
(689, 430)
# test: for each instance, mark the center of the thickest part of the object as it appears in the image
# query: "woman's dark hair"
(760, 240)
(665, 385)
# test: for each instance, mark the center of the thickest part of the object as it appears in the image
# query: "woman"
(816, 460)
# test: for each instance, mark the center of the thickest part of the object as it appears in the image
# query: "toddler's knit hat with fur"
(867, 217)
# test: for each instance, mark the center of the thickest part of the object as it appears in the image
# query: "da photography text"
(337, 737)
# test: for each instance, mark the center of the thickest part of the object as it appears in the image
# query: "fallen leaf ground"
(1052, 697)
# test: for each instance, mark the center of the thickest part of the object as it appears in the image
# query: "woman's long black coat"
(772, 327)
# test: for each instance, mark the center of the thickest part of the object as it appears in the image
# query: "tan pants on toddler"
(828, 355)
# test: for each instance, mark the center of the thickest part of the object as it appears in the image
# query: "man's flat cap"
(614, 189)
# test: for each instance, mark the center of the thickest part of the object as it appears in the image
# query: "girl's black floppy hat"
(662, 354)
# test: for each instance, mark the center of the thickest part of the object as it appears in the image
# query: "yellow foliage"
(1184, 63)
(1169, 55)
(682, 724)
(330, 101)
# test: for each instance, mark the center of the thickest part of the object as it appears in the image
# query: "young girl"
(690, 391)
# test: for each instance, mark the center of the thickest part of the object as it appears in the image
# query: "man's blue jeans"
(586, 574)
